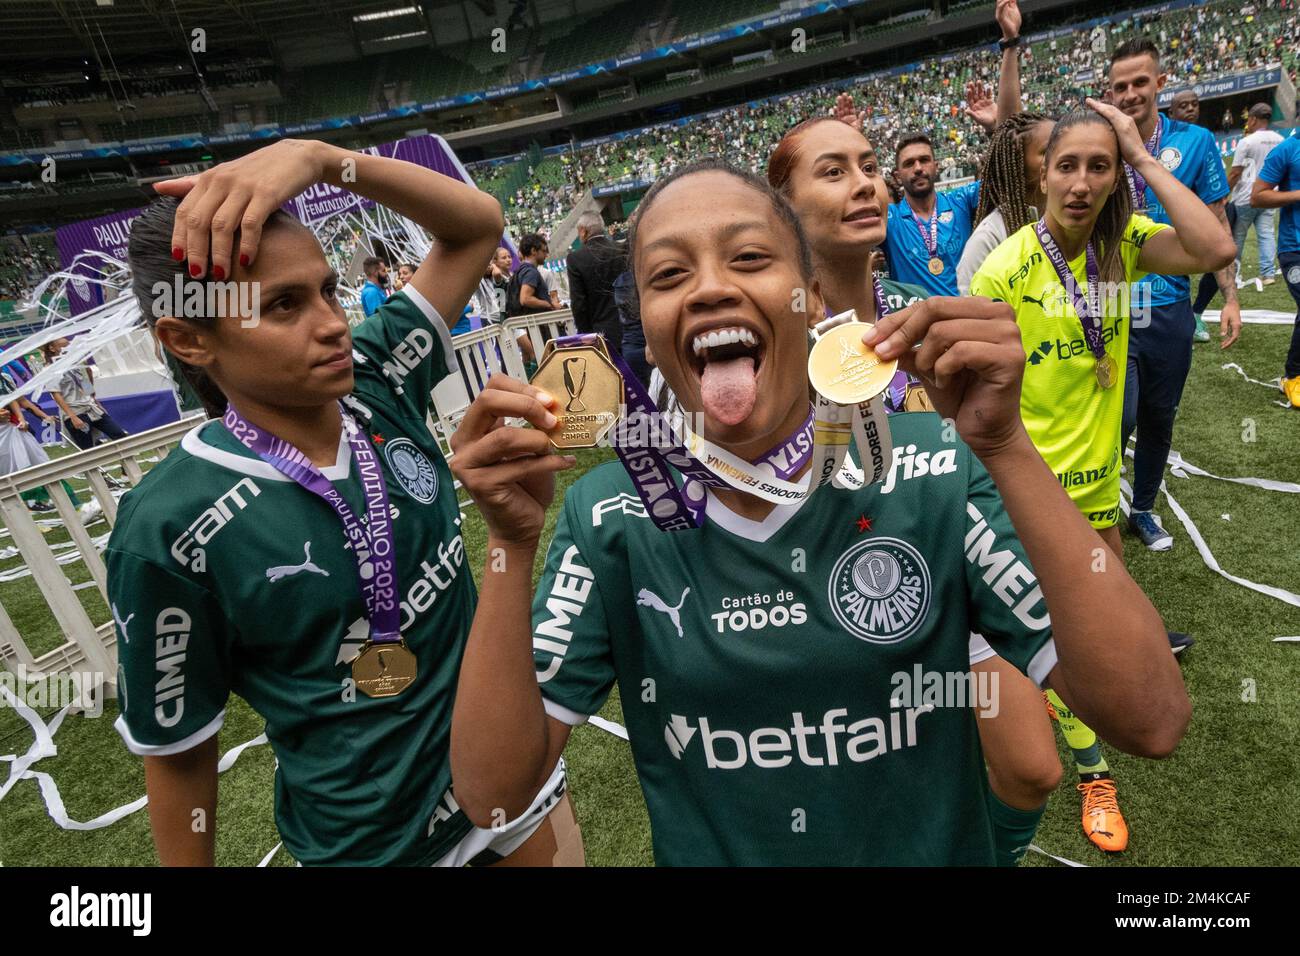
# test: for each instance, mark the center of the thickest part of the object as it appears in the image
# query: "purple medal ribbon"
(1137, 184)
(372, 545)
(670, 507)
(1084, 301)
(931, 238)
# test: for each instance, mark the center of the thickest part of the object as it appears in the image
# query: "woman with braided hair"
(1009, 193)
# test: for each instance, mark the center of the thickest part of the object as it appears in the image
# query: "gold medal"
(589, 389)
(1107, 371)
(936, 266)
(844, 370)
(384, 670)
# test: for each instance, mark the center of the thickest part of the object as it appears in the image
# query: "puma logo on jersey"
(647, 598)
(121, 624)
(285, 570)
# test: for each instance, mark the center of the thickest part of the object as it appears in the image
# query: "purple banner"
(108, 234)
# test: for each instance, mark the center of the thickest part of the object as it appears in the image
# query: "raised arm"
(1199, 241)
(1114, 667)
(503, 744)
(466, 224)
(1009, 19)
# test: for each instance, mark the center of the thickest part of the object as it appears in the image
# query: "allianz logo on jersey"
(1066, 349)
(1087, 476)
(828, 743)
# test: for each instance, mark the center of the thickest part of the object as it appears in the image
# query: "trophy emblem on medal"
(575, 390)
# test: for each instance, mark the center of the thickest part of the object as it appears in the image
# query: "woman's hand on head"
(1131, 147)
(847, 112)
(509, 472)
(970, 360)
(237, 195)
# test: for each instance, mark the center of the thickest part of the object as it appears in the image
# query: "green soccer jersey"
(225, 576)
(757, 662)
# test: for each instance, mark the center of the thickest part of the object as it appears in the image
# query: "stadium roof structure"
(37, 30)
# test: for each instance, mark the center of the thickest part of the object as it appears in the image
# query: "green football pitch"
(1228, 796)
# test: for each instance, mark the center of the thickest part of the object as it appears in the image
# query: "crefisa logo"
(880, 590)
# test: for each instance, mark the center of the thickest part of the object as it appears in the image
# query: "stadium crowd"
(23, 263)
(1212, 39)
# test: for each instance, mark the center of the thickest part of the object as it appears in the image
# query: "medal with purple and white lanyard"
(1086, 303)
(1137, 184)
(385, 666)
(577, 368)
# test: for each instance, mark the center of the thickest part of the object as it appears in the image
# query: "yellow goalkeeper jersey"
(1073, 421)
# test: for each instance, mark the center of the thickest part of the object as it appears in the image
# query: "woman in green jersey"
(827, 170)
(778, 664)
(304, 550)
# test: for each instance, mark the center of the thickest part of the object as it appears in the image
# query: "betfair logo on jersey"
(813, 745)
(407, 356)
(1009, 578)
(908, 464)
(879, 590)
(565, 603)
(188, 548)
(1066, 349)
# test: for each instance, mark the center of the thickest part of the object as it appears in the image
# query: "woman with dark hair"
(1068, 276)
(1009, 191)
(303, 551)
(769, 637)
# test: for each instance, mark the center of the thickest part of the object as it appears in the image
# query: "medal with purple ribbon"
(1136, 183)
(931, 238)
(385, 666)
(1087, 302)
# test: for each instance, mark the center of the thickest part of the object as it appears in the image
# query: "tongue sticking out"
(728, 389)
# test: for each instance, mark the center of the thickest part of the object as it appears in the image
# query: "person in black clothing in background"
(593, 268)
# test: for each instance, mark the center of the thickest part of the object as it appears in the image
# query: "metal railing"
(89, 648)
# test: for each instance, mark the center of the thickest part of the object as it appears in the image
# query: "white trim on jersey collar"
(163, 750)
(747, 528)
(255, 467)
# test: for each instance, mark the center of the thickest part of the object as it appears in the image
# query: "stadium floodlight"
(399, 36)
(385, 14)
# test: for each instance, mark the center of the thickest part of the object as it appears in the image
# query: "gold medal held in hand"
(844, 370)
(384, 670)
(589, 390)
(1107, 371)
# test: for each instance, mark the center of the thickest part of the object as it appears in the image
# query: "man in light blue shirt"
(928, 229)
(373, 293)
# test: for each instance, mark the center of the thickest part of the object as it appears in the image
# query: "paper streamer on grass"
(1291, 640)
(1059, 859)
(1181, 467)
(1207, 555)
(266, 860)
(618, 730)
(43, 747)
(1253, 317)
(1275, 385)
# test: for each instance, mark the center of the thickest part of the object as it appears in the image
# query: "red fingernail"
(196, 271)
(243, 259)
(178, 253)
(218, 273)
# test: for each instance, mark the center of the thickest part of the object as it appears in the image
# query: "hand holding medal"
(968, 352)
(509, 472)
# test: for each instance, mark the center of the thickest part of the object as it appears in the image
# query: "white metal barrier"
(89, 648)
(484, 352)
